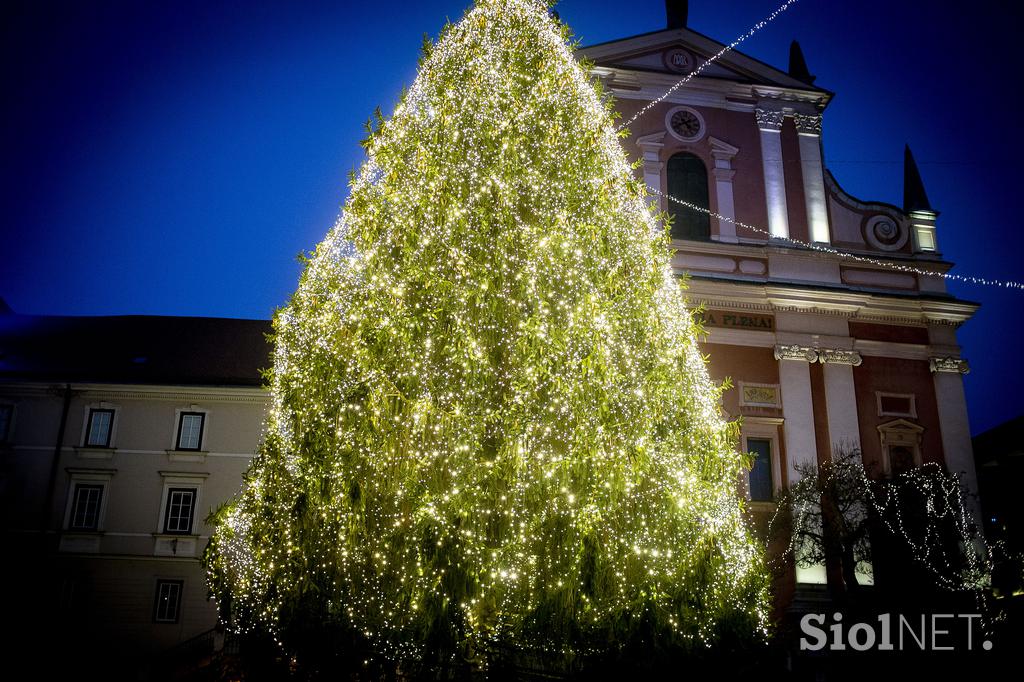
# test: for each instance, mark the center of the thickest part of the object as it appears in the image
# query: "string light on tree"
(491, 421)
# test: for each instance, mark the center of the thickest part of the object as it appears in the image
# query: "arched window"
(688, 181)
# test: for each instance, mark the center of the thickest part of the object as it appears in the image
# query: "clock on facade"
(686, 124)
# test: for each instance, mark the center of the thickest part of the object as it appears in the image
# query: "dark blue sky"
(173, 158)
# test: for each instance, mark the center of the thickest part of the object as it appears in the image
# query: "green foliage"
(491, 423)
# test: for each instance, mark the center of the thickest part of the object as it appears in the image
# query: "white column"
(797, 406)
(841, 399)
(953, 424)
(809, 133)
(770, 125)
(723, 153)
(650, 151)
(798, 429)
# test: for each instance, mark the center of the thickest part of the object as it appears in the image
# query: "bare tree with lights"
(917, 524)
(491, 423)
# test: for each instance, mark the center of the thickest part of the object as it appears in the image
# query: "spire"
(676, 11)
(798, 65)
(914, 197)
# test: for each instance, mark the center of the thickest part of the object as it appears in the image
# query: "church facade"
(828, 313)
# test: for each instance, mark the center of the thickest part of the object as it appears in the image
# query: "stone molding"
(808, 124)
(796, 352)
(949, 364)
(830, 356)
(769, 120)
(836, 356)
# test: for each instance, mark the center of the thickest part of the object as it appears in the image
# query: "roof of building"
(630, 52)
(1000, 442)
(134, 349)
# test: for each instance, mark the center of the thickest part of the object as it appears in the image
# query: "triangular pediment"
(901, 426)
(681, 51)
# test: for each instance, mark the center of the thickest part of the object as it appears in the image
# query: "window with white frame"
(86, 501)
(896, 404)
(85, 508)
(760, 438)
(180, 502)
(6, 420)
(181, 508)
(99, 427)
(761, 480)
(190, 431)
(168, 601)
(901, 446)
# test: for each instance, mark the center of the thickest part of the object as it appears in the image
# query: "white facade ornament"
(796, 352)
(885, 233)
(768, 119)
(950, 364)
(808, 124)
(836, 356)
(723, 172)
(650, 150)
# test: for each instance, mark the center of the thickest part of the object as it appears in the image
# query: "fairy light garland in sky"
(728, 48)
(821, 248)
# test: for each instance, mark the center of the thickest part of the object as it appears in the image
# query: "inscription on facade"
(734, 320)
(759, 395)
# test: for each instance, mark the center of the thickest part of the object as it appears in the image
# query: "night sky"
(174, 158)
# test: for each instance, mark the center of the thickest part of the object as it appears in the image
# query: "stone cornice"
(854, 305)
(206, 394)
(709, 92)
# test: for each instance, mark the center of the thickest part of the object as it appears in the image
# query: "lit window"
(168, 601)
(6, 416)
(925, 237)
(190, 430)
(181, 505)
(762, 488)
(85, 507)
(98, 433)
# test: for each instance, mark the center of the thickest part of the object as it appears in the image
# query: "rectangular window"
(98, 433)
(181, 505)
(762, 488)
(85, 507)
(896, 405)
(925, 237)
(6, 416)
(190, 430)
(168, 601)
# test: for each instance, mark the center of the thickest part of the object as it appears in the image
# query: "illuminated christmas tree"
(491, 421)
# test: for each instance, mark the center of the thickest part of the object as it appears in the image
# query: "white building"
(119, 436)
